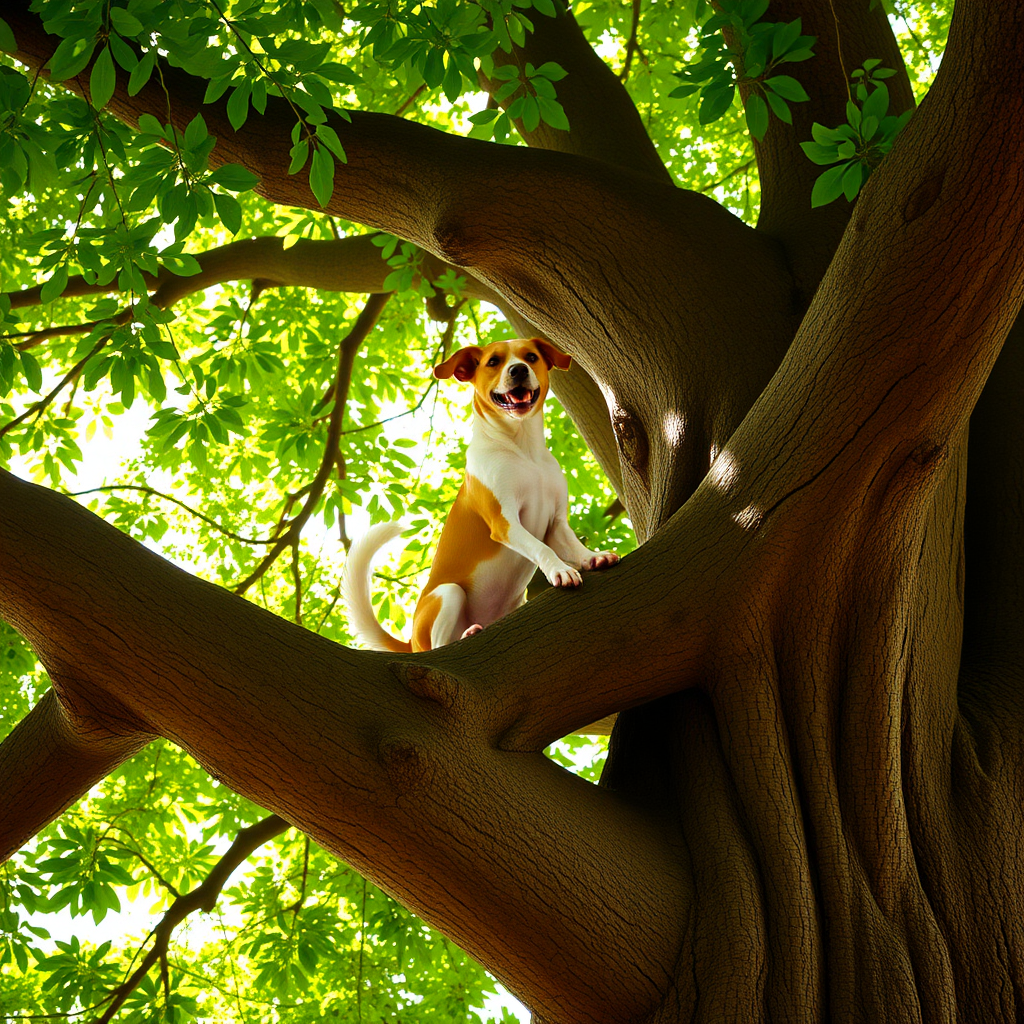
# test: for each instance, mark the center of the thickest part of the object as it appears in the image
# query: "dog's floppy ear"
(552, 356)
(462, 366)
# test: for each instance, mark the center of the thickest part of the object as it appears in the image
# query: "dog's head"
(510, 377)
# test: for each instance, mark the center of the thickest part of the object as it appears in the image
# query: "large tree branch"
(351, 264)
(492, 209)
(848, 33)
(401, 769)
(603, 120)
(550, 232)
(50, 759)
(909, 319)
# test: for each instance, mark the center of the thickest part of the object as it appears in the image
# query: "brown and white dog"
(509, 517)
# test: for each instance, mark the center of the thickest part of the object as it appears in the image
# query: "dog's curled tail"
(355, 590)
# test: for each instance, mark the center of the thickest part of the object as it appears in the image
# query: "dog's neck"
(526, 435)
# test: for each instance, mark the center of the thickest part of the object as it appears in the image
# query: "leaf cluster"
(858, 146)
(739, 50)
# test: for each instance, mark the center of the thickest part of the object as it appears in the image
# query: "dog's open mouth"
(516, 400)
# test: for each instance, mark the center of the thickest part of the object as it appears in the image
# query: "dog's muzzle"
(516, 400)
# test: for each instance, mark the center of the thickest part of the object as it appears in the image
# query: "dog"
(509, 518)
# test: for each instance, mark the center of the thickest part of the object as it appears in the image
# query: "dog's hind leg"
(440, 617)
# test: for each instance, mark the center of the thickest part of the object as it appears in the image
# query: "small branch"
(297, 581)
(409, 100)
(343, 378)
(37, 408)
(168, 497)
(632, 46)
(34, 338)
(204, 897)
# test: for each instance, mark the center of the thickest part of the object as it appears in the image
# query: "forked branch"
(203, 897)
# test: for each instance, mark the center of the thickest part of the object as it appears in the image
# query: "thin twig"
(632, 46)
(409, 100)
(38, 408)
(343, 378)
(170, 497)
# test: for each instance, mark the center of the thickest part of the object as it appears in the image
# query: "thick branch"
(848, 33)
(492, 209)
(48, 762)
(351, 264)
(603, 120)
(397, 768)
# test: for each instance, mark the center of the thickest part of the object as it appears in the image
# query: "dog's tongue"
(520, 396)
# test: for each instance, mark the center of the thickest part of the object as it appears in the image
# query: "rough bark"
(814, 811)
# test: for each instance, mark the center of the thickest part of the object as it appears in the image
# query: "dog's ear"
(552, 356)
(462, 366)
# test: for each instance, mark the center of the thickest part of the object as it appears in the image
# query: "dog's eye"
(493, 361)
(531, 357)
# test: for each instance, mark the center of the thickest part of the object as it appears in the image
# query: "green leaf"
(757, 115)
(71, 57)
(238, 105)
(123, 53)
(531, 114)
(779, 107)
(853, 179)
(234, 177)
(7, 41)
(150, 125)
(820, 154)
(102, 79)
(299, 155)
(321, 175)
(551, 70)
(195, 132)
(125, 23)
(56, 284)
(877, 104)
(485, 116)
(786, 87)
(329, 137)
(829, 186)
(714, 103)
(229, 211)
(785, 38)
(552, 113)
(452, 83)
(32, 370)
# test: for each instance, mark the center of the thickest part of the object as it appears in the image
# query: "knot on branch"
(923, 197)
(632, 441)
(405, 763)
(927, 457)
(429, 683)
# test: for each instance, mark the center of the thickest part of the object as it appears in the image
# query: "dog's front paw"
(599, 560)
(565, 576)
(472, 631)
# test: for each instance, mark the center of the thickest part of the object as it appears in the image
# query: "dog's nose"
(518, 371)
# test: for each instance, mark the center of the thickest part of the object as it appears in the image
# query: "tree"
(811, 804)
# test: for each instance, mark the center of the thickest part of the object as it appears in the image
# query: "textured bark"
(812, 808)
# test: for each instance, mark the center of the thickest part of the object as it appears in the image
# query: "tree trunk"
(813, 810)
